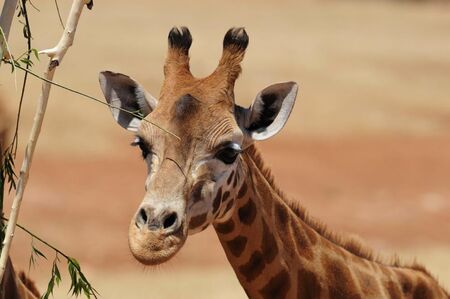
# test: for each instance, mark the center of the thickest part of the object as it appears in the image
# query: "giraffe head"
(191, 178)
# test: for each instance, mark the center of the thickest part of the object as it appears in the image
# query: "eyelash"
(143, 146)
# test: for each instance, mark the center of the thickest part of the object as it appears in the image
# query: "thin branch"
(15, 142)
(58, 251)
(39, 239)
(58, 52)
(34, 6)
(59, 14)
(96, 100)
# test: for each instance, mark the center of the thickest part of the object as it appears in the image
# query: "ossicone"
(177, 61)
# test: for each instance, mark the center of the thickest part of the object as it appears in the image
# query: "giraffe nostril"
(164, 221)
(141, 218)
(170, 220)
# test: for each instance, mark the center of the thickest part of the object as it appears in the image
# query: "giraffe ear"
(122, 92)
(269, 112)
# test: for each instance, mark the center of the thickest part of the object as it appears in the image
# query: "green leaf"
(75, 263)
(27, 61)
(36, 53)
(35, 253)
(79, 284)
(39, 253)
(50, 286)
(31, 262)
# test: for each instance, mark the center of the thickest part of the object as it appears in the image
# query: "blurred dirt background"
(367, 148)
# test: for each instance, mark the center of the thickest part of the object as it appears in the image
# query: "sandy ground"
(366, 149)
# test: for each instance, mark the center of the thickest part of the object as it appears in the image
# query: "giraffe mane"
(349, 243)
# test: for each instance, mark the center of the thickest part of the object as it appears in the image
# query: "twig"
(58, 251)
(95, 99)
(39, 239)
(34, 6)
(15, 142)
(59, 14)
(57, 53)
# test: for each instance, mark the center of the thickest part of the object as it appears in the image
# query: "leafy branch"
(79, 283)
(57, 53)
(7, 171)
(35, 254)
(54, 279)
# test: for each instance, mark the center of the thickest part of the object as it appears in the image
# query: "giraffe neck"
(275, 253)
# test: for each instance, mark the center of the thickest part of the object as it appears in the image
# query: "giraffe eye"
(145, 148)
(229, 153)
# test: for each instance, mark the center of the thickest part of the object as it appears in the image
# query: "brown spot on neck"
(277, 287)
(254, 267)
(340, 280)
(237, 245)
(281, 221)
(247, 213)
(242, 190)
(269, 245)
(225, 227)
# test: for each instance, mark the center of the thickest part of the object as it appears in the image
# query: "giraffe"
(17, 285)
(214, 175)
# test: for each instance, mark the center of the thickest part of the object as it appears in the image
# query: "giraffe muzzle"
(156, 235)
